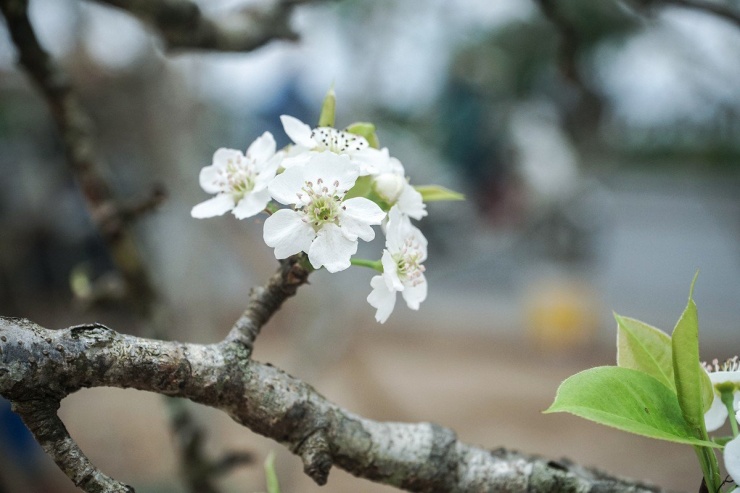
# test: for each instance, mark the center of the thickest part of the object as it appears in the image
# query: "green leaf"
(367, 130)
(686, 367)
(643, 347)
(270, 475)
(328, 109)
(436, 193)
(626, 399)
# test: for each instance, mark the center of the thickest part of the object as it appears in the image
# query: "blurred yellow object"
(561, 313)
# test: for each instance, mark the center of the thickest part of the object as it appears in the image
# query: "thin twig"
(264, 301)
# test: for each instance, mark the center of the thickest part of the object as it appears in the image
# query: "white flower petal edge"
(356, 216)
(716, 415)
(288, 233)
(216, 206)
(331, 249)
(329, 226)
(406, 249)
(239, 180)
(299, 132)
(382, 298)
(732, 459)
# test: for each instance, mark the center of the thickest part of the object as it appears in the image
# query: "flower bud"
(389, 186)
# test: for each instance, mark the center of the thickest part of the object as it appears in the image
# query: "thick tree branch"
(182, 25)
(40, 416)
(40, 364)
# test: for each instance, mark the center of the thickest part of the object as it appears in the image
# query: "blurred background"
(601, 165)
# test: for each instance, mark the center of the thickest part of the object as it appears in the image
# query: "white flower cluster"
(314, 177)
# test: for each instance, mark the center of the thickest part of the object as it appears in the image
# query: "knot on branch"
(315, 452)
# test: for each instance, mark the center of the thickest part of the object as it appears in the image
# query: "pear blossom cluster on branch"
(337, 185)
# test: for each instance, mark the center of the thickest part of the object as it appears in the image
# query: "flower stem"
(372, 264)
(728, 400)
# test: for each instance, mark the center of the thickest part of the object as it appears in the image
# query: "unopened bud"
(389, 186)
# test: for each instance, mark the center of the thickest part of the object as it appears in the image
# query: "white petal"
(716, 415)
(332, 168)
(300, 159)
(223, 156)
(399, 229)
(390, 272)
(372, 161)
(216, 206)
(357, 216)
(299, 132)
(287, 233)
(252, 204)
(262, 148)
(209, 178)
(415, 294)
(331, 249)
(381, 298)
(268, 171)
(286, 186)
(732, 458)
(411, 203)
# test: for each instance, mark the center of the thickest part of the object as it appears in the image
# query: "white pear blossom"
(310, 141)
(239, 181)
(406, 249)
(723, 376)
(323, 224)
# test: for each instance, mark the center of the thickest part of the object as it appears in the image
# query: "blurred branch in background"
(75, 130)
(182, 25)
(720, 9)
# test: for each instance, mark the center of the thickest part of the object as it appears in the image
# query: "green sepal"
(437, 193)
(328, 109)
(366, 130)
(628, 400)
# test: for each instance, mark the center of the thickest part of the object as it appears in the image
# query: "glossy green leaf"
(645, 348)
(328, 109)
(367, 130)
(436, 193)
(628, 400)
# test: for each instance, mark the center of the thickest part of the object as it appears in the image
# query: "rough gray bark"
(39, 367)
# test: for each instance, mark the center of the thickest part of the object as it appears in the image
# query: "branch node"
(315, 452)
